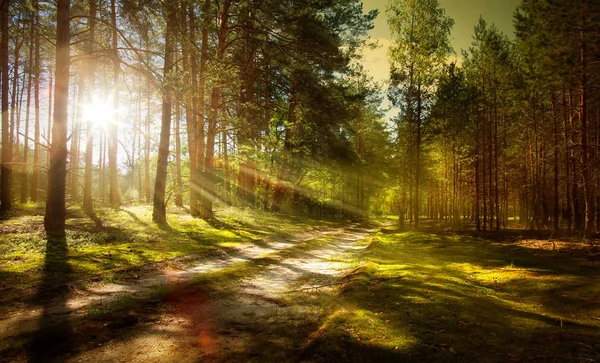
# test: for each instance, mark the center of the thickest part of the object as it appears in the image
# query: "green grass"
(430, 297)
(126, 241)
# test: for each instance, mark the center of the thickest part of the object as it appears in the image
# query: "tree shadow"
(449, 314)
(135, 217)
(92, 215)
(52, 338)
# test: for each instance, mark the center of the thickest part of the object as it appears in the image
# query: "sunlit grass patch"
(127, 238)
(455, 298)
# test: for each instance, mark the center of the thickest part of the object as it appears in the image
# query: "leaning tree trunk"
(54, 221)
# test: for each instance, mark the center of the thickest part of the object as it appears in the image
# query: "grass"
(125, 242)
(431, 297)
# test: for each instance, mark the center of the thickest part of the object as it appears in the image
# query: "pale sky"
(465, 14)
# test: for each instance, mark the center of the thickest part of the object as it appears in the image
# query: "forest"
(224, 180)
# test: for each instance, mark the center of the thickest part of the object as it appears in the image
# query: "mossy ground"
(116, 244)
(410, 296)
(432, 297)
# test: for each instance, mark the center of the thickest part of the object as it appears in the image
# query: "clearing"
(263, 287)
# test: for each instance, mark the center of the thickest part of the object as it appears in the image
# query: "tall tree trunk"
(215, 98)
(246, 136)
(88, 205)
(555, 152)
(6, 198)
(113, 143)
(190, 69)
(35, 181)
(147, 139)
(178, 179)
(202, 114)
(568, 181)
(159, 215)
(418, 156)
(585, 173)
(50, 114)
(280, 186)
(74, 159)
(476, 178)
(25, 165)
(226, 173)
(54, 221)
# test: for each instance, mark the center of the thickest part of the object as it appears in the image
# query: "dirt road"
(267, 314)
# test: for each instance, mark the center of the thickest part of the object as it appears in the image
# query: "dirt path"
(260, 320)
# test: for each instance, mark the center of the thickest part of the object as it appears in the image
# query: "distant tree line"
(512, 131)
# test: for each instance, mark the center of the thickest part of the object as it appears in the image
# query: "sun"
(100, 111)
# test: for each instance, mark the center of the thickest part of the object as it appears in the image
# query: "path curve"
(260, 322)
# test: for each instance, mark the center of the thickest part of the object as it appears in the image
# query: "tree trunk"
(74, 154)
(54, 221)
(555, 152)
(25, 165)
(191, 114)
(201, 116)
(35, 181)
(113, 143)
(178, 179)
(418, 156)
(568, 181)
(88, 205)
(147, 139)
(159, 215)
(215, 98)
(587, 183)
(6, 198)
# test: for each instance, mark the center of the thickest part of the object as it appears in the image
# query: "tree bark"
(6, 168)
(587, 183)
(24, 197)
(215, 98)
(35, 181)
(555, 152)
(113, 143)
(178, 179)
(54, 221)
(159, 215)
(88, 204)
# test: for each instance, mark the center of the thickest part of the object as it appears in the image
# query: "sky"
(465, 14)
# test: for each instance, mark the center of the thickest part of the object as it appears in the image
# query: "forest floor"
(276, 288)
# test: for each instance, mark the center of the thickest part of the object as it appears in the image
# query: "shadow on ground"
(463, 299)
(53, 337)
